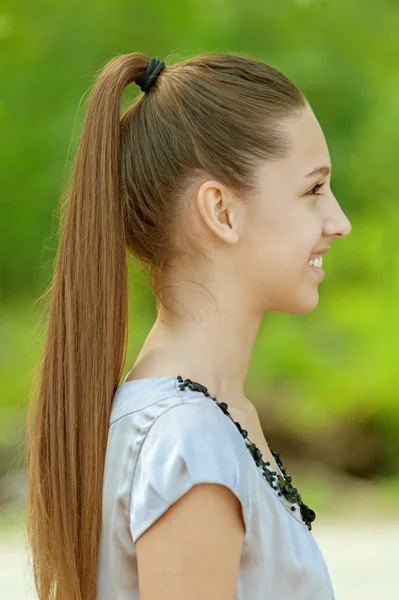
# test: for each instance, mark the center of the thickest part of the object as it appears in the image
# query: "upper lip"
(322, 251)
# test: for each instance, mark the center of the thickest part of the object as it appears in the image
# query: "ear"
(218, 208)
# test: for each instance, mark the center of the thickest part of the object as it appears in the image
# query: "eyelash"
(317, 186)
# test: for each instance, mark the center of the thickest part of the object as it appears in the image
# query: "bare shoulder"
(193, 550)
(246, 414)
(252, 409)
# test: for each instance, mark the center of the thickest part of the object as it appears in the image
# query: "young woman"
(217, 179)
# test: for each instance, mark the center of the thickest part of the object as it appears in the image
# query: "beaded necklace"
(284, 483)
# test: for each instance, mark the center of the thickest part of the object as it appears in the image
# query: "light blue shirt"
(161, 442)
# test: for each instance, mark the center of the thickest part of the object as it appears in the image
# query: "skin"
(257, 263)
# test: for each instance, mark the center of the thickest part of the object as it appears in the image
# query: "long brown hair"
(212, 115)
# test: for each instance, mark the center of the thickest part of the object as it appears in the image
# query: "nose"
(337, 225)
(334, 231)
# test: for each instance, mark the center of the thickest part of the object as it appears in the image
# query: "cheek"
(277, 238)
(265, 251)
(275, 249)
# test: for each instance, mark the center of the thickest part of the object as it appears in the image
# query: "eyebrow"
(324, 170)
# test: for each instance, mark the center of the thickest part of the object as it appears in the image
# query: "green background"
(325, 384)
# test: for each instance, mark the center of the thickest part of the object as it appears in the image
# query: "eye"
(316, 187)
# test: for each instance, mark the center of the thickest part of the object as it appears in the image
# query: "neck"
(214, 354)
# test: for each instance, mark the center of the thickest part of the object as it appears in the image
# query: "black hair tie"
(152, 70)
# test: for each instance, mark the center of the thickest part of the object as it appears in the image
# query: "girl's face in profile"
(293, 215)
(258, 249)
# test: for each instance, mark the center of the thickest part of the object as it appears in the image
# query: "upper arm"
(193, 550)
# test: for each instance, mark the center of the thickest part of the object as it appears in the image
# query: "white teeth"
(317, 262)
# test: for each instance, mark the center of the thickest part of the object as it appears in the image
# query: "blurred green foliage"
(331, 375)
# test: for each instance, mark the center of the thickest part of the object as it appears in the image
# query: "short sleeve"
(186, 445)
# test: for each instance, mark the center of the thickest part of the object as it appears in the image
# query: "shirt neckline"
(173, 379)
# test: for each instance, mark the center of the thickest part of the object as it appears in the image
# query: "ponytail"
(83, 354)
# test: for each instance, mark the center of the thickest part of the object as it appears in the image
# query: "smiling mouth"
(317, 270)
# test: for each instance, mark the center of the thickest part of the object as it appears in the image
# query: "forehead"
(307, 150)
(307, 144)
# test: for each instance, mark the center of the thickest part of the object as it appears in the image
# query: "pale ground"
(362, 558)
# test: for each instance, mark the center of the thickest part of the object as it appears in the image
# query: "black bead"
(307, 513)
(236, 423)
(257, 454)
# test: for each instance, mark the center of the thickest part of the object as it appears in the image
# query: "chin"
(304, 311)
(306, 304)
(299, 305)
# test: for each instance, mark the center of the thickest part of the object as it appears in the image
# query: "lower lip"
(318, 271)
